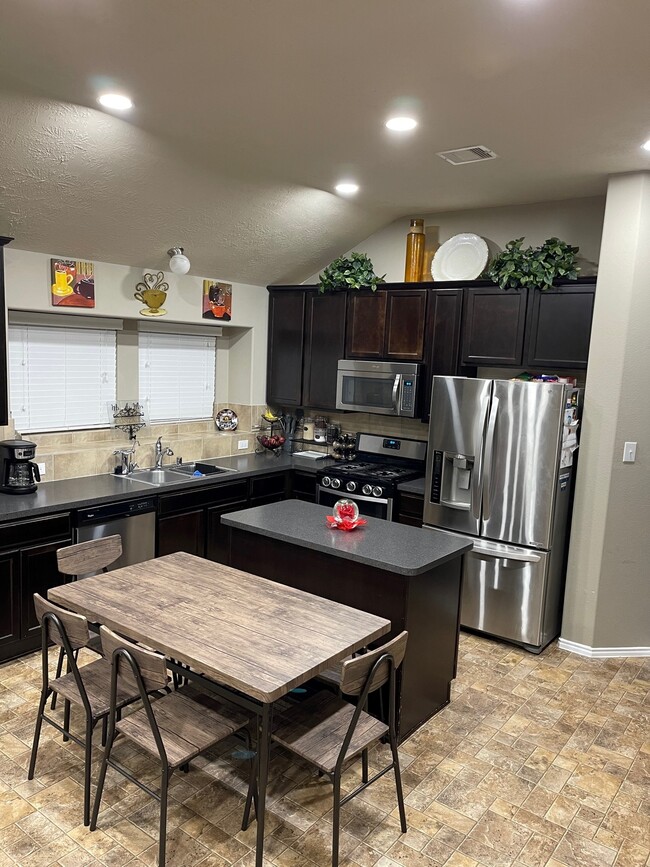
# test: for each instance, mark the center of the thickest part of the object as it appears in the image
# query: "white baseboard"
(601, 652)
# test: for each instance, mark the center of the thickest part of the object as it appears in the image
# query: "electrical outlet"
(41, 469)
(629, 453)
(242, 444)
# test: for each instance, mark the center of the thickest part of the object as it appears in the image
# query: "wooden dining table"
(244, 638)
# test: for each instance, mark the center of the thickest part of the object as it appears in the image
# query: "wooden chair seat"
(189, 724)
(96, 678)
(315, 729)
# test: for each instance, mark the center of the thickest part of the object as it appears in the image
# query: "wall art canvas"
(73, 283)
(217, 300)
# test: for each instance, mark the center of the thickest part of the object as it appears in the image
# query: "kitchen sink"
(174, 474)
(197, 466)
(154, 477)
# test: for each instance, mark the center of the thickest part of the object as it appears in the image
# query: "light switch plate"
(242, 444)
(41, 469)
(629, 453)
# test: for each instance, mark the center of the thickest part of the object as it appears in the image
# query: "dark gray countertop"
(81, 493)
(382, 544)
(415, 486)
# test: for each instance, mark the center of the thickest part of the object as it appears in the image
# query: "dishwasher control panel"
(110, 511)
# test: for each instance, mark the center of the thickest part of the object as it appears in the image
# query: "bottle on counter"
(308, 428)
(414, 252)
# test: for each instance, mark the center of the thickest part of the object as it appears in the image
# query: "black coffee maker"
(19, 473)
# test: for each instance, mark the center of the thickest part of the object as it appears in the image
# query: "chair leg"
(398, 781)
(104, 730)
(66, 719)
(59, 670)
(336, 818)
(87, 768)
(37, 733)
(163, 818)
(364, 766)
(101, 779)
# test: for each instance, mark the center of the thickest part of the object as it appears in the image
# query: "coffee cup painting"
(73, 283)
(217, 300)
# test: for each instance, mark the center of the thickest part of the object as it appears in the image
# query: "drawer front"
(23, 533)
(264, 486)
(223, 493)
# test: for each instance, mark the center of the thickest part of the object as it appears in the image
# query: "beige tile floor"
(537, 761)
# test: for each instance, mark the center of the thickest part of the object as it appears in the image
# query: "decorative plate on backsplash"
(226, 419)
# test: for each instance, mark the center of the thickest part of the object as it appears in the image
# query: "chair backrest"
(355, 671)
(151, 665)
(75, 625)
(87, 558)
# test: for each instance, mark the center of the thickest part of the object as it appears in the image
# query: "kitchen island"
(406, 574)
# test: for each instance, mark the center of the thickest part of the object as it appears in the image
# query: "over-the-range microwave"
(385, 387)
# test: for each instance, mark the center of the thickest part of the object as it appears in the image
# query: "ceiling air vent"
(462, 156)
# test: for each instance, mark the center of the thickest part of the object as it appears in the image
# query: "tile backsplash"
(69, 454)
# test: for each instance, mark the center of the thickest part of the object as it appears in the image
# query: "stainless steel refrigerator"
(499, 472)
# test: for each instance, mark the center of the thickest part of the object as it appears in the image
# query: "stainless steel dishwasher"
(133, 520)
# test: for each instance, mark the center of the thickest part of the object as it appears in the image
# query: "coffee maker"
(18, 472)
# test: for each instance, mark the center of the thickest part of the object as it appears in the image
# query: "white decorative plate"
(226, 419)
(462, 257)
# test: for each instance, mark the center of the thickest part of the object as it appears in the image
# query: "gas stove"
(371, 480)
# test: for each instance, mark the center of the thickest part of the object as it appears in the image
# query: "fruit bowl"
(272, 443)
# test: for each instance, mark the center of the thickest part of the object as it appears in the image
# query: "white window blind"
(177, 375)
(60, 378)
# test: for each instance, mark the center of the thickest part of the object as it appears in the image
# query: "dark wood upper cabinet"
(493, 326)
(324, 345)
(405, 322)
(442, 342)
(4, 388)
(558, 326)
(285, 347)
(366, 324)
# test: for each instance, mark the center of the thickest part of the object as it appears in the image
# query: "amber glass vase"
(414, 252)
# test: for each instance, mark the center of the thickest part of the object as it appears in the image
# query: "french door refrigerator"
(499, 472)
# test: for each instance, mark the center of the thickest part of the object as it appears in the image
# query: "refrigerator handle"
(396, 385)
(477, 475)
(524, 557)
(489, 454)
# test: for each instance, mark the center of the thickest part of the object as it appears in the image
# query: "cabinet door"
(442, 352)
(559, 327)
(217, 536)
(324, 345)
(38, 573)
(366, 324)
(285, 347)
(493, 326)
(405, 321)
(182, 532)
(4, 404)
(9, 598)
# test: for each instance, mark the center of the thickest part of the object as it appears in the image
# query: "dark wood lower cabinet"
(38, 574)
(9, 598)
(217, 534)
(410, 509)
(182, 532)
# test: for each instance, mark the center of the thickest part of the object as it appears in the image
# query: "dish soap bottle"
(414, 252)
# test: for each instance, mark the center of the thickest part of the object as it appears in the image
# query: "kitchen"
(604, 612)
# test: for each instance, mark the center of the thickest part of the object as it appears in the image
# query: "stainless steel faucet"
(161, 452)
(128, 465)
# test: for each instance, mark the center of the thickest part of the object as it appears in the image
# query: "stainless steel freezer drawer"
(504, 589)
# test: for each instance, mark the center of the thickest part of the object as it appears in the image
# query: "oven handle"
(347, 495)
(396, 391)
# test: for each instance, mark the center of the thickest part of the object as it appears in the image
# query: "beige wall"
(607, 601)
(577, 221)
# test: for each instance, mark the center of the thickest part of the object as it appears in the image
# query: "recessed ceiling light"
(117, 101)
(646, 145)
(347, 188)
(401, 124)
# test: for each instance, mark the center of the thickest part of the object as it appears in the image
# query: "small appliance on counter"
(19, 472)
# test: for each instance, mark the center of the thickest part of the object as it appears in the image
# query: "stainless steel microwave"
(385, 387)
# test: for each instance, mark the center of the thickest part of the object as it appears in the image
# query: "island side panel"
(427, 605)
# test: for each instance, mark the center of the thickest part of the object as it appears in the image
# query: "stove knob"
(336, 483)
(351, 486)
(377, 491)
(367, 490)
(326, 481)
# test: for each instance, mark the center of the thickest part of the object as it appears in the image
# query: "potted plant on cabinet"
(519, 267)
(349, 272)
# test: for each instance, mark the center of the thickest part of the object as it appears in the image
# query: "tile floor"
(537, 761)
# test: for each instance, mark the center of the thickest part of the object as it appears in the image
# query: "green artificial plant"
(519, 267)
(349, 272)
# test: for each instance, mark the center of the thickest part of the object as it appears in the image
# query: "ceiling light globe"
(179, 263)
(401, 124)
(347, 188)
(116, 101)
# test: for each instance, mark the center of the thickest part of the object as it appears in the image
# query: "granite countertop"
(87, 491)
(382, 544)
(415, 486)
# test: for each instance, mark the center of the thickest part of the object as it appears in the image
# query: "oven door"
(369, 507)
(368, 391)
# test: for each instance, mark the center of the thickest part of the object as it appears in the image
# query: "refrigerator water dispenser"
(452, 480)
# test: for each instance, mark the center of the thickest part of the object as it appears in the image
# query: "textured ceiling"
(248, 111)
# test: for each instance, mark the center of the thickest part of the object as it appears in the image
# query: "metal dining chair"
(329, 733)
(175, 728)
(88, 685)
(81, 561)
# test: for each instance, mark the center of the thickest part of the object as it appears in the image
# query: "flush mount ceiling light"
(646, 145)
(178, 261)
(116, 101)
(401, 124)
(347, 188)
